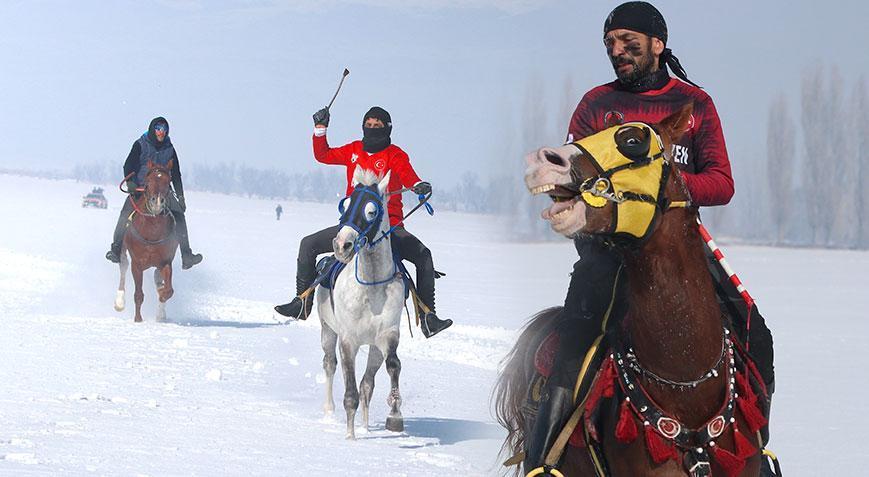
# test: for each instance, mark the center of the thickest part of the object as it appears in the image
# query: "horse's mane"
(366, 177)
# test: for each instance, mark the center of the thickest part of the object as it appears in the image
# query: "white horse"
(365, 303)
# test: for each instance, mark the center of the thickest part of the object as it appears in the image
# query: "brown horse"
(150, 240)
(668, 397)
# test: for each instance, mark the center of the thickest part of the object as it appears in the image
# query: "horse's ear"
(357, 177)
(384, 183)
(150, 165)
(677, 123)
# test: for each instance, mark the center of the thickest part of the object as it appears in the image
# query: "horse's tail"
(511, 388)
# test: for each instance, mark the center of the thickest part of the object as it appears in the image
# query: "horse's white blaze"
(343, 252)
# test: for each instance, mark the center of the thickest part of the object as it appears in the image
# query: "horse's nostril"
(553, 158)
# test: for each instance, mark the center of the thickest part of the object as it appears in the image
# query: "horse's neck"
(375, 263)
(151, 227)
(674, 320)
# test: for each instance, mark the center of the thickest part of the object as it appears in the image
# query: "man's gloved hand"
(131, 187)
(182, 203)
(422, 188)
(321, 117)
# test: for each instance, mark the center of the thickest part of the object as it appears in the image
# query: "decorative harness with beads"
(695, 443)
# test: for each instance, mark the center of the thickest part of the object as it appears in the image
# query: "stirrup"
(545, 471)
(768, 456)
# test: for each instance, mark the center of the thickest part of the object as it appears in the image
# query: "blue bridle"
(356, 218)
(366, 228)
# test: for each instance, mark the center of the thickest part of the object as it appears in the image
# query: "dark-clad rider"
(156, 148)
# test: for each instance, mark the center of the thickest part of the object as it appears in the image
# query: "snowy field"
(221, 389)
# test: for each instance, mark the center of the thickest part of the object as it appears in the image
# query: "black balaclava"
(152, 137)
(642, 17)
(376, 139)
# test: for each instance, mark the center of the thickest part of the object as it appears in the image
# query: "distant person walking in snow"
(278, 211)
(156, 148)
(377, 153)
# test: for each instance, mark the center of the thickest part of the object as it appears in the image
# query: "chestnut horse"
(664, 401)
(150, 240)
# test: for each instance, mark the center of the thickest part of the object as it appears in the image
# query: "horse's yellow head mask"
(631, 174)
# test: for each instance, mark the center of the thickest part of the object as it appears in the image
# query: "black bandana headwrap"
(642, 17)
(376, 139)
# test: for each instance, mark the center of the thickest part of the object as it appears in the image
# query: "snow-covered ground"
(221, 389)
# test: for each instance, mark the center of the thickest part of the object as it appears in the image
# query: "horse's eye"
(633, 142)
(370, 211)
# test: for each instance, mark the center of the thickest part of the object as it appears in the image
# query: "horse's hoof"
(351, 436)
(119, 307)
(137, 320)
(395, 424)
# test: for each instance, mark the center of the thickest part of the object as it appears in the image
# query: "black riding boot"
(188, 258)
(306, 271)
(298, 309)
(554, 409)
(429, 322)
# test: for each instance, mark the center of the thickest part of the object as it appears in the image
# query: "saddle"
(328, 269)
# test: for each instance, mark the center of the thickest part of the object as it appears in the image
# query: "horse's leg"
(395, 421)
(329, 340)
(366, 387)
(163, 281)
(351, 394)
(124, 265)
(139, 295)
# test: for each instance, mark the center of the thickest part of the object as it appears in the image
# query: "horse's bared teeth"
(542, 189)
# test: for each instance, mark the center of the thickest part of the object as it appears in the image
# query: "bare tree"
(860, 130)
(816, 176)
(842, 166)
(569, 100)
(534, 133)
(780, 148)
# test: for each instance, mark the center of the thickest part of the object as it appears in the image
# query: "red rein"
(121, 187)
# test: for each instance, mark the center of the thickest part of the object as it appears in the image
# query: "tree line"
(817, 164)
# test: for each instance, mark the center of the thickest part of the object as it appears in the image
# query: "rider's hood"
(152, 137)
(634, 181)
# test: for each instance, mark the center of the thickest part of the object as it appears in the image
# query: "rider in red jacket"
(635, 37)
(374, 152)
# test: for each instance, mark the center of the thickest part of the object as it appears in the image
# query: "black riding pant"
(592, 292)
(404, 245)
(177, 213)
(410, 248)
(752, 328)
(311, 246)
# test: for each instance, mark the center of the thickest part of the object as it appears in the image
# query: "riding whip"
(346, 73)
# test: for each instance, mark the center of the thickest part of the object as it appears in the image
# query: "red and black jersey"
(700, 154)
(390, 159)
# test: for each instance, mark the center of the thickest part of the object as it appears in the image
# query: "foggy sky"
(239, 80)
